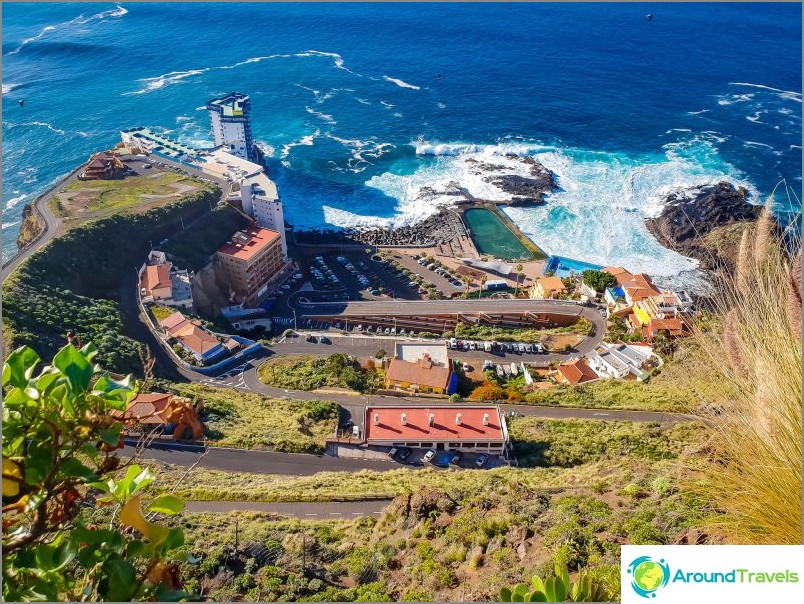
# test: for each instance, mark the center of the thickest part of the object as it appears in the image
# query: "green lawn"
(300, 372)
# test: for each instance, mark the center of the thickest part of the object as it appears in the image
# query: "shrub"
(487, 392)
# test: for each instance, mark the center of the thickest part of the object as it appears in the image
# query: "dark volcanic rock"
(688, 218)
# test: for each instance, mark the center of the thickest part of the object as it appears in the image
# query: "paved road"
(330, 510)
(260, 462)
(52, 223)
(244, 377)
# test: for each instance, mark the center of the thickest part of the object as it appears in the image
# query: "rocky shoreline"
(446, 224)
(441, 227)
(30, 228)
(704, 223)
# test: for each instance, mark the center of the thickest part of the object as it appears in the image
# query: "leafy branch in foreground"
(558, 589)
(61, 432)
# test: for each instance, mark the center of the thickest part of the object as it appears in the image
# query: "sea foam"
(400, 83)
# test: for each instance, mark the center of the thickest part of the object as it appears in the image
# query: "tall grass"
(755, 472)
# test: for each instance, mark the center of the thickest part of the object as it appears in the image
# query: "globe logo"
(648, 575)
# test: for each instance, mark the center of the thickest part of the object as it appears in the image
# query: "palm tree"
(519, 268)
(483, 280)
(467, 281)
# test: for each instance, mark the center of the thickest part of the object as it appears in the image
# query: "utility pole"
(237, 536)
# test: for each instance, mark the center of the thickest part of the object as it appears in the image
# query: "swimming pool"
(492, 237)
(564, 267)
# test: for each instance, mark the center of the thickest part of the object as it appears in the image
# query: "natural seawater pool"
(492, 237)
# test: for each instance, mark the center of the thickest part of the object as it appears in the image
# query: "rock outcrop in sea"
(704, 223)
(525, 190)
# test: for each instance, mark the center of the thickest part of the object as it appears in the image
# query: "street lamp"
(295, 328)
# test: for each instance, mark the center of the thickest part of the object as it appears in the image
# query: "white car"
(429, 455)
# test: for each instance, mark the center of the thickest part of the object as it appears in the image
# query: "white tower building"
(231, 125)
(260, 199)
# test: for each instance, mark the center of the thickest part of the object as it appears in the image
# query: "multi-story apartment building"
(251, 260)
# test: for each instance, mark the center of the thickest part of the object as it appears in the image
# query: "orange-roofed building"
(156, 281)
(618, 272)
(251, 260)
(103, 165)
(638, 288)
(547, 287)
(479, 428)
(674, 328)
(160, 409)
(577, 372)
(192, 337)
(423, 375)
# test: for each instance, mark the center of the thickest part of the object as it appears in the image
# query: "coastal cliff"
(30, 228)
(704, 223)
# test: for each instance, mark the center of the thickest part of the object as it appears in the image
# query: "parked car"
(429, 455)
(325, 340)
(311, 339)
(456, 459)
(481, 460)
(404, 453)
(466, 367)
(392, 453)
(453, 343)
(356, 431)
(521, 348)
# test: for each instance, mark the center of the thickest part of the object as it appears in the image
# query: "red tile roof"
(445, 426)
(619, 273)
(577, 372)
(156, 276)
(252, 241)
(423, 372)
(675, 327)
(192, 335)
(146, 408)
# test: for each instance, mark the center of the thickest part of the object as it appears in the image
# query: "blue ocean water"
(359, 106)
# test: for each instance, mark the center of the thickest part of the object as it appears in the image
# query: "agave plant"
(557, 589)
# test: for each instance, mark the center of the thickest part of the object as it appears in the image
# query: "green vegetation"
(192, 247)
(488, 333)
(59, 443)
(566, 452)
(245, 420)
(129, 193)
(567, 443)
(598, 280)
(559, 589)
(311, 373)
(162, 312)
(69, 284)
(659, 394)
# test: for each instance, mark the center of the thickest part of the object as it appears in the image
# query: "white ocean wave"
(362, 152)
(305, 141)
(756, 144)
(8, 225)
(387, 105)
(702, 111)
(400, 83)
(118, 11)
(174, 77)
(9, 87)
(322, 116)
(14, 201)
(441, 105)
(598, 213)
(731, 99)
(784, 94)
(363, 101)
(50, 127)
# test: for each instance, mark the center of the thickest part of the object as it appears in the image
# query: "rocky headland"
(705, 223)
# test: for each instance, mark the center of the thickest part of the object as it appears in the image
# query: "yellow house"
(547, 287)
